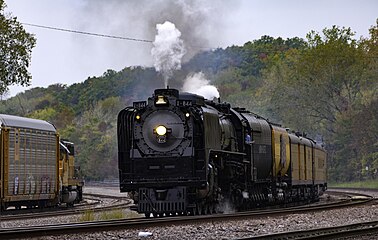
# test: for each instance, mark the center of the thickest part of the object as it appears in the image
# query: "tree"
(330, 87)
(95, 136)
(15, 51)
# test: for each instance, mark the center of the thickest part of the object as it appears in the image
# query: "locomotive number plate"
(139, 105)
(184, 103)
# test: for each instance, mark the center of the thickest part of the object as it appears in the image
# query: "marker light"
(160, 100)
(161, 130)
(137, 117)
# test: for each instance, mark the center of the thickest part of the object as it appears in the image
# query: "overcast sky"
(62, 57)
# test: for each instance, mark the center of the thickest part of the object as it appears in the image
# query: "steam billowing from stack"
(168, 50)
(198, 84)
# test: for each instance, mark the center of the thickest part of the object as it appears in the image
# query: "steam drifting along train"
(37, 169)
(181, 154)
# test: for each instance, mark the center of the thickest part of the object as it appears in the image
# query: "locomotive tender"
(36, 167)
(181, 154)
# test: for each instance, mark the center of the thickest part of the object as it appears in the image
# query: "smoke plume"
(168, 50)
(198, 84)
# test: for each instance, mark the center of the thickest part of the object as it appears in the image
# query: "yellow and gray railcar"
(29, 163)
(300, 162)
(308, 165)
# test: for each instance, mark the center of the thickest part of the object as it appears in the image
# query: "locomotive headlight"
(187, 115)
(160, 100)
(161, 130)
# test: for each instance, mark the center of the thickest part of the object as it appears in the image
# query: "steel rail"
(356, 229)
(71, 211)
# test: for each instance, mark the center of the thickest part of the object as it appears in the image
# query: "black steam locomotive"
(181, 154)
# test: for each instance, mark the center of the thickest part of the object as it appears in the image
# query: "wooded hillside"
(325, 85)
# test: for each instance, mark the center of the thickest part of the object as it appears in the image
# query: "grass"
(89, 215)
(110, 215)
(131, 214)
(358, 184)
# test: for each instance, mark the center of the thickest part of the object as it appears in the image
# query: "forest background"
(325, 85)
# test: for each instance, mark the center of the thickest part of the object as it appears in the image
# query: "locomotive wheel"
(208, 209)
(201, 209)
(198, 209)
(211, 209)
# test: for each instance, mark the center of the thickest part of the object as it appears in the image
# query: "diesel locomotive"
(37, 168)
(181, 154)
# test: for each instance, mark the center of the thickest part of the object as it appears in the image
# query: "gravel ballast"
(225, 229)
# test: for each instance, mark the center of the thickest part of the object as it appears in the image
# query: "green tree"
(324, 88)
(15, 51)
(95, 136)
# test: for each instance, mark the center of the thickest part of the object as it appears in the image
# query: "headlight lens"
(161, 130)
(160, 100)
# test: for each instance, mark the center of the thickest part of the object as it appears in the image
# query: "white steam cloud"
(168, 50)
(197, 83)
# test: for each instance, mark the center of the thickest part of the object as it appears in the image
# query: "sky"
(67, 58)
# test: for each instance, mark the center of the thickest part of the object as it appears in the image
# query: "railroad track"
(351, 230)
(12, 233)
(119, 203)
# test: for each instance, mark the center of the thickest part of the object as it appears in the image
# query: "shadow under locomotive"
(181, 154)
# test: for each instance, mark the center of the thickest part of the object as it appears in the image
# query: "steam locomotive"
(181, 154)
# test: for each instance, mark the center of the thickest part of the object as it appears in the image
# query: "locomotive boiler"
(181, 154)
